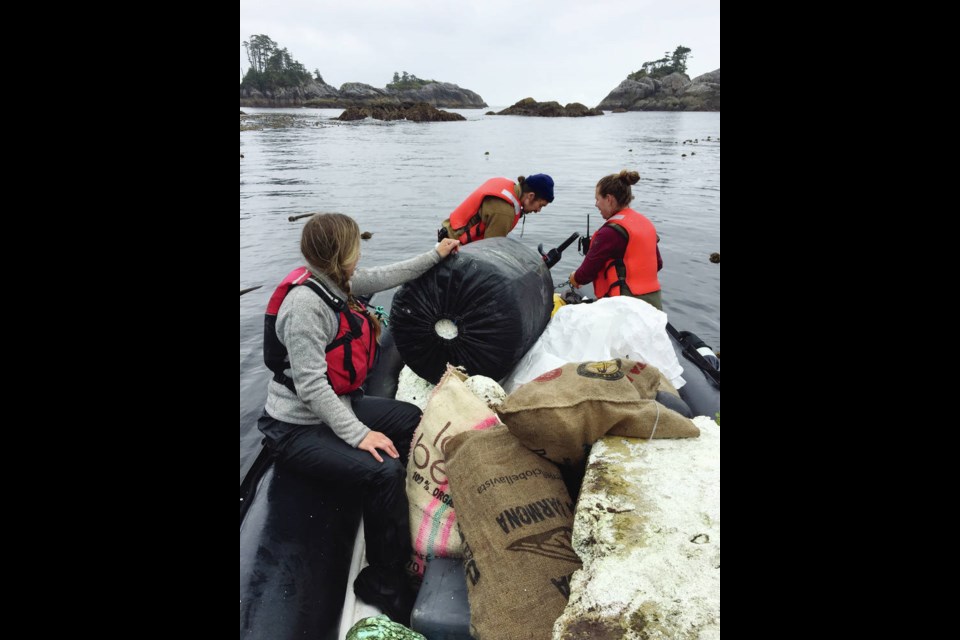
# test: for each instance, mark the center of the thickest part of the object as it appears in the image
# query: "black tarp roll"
(481, 308)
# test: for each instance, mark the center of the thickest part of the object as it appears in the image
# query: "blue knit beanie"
(541, 184)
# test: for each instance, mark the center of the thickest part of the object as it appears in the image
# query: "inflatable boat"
(298, 539)
(482, 308)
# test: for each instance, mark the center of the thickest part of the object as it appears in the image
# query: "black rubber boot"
(387, 589)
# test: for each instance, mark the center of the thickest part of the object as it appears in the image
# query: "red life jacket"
(351, 354)
(468, 213)
(636, 273)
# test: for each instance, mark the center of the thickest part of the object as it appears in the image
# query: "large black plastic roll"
(481, 308)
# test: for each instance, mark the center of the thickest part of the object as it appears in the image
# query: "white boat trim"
(355, 610)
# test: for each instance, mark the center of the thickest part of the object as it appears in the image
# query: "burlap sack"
(451, 409)
(516, 519)
(563, 412)
(645, 378)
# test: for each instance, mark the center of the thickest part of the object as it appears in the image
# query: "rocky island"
(317, 93)
(673, 92)
(659, 85)
(412, 111)
(551, 109)
(275, 79)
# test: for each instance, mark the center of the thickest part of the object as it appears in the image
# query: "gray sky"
(563, 50)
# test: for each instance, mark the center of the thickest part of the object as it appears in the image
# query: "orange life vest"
(468, 213)
(636, 273)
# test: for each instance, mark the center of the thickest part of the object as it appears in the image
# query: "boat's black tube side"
(295, 548)
(701, 392)
(251, 481)
(382, 381)
(296, 539)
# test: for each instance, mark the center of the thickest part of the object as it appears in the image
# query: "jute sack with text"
(516, 520)
(451, 409)
(563, 412)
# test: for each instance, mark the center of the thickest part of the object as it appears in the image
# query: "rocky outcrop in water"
(675, 92)
(287, 96)
(418, 112)
(356, 94)
(441, 94)
(552, 109)
(261, 121)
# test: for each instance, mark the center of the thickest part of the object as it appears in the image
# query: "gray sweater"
(305, 326)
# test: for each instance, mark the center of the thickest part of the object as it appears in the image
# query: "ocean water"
(400, 179)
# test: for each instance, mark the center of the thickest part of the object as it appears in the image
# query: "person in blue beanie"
(496, 206)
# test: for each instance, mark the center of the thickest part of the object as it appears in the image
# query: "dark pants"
(317, 452)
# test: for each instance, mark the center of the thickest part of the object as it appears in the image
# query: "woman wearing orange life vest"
(496, 206)
(623, 259)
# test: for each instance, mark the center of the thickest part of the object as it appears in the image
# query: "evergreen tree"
(259, 49)
(272, 67)
(679, 58)
(669, 63)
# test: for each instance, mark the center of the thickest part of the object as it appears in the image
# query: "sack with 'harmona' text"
(516, 519)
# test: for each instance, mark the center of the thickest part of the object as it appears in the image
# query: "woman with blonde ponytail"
(320, 342)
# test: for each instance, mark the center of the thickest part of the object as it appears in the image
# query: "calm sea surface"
(399, 180)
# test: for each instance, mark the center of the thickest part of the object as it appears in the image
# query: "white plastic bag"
(617, 327)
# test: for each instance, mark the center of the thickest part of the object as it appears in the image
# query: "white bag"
(617, 327)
